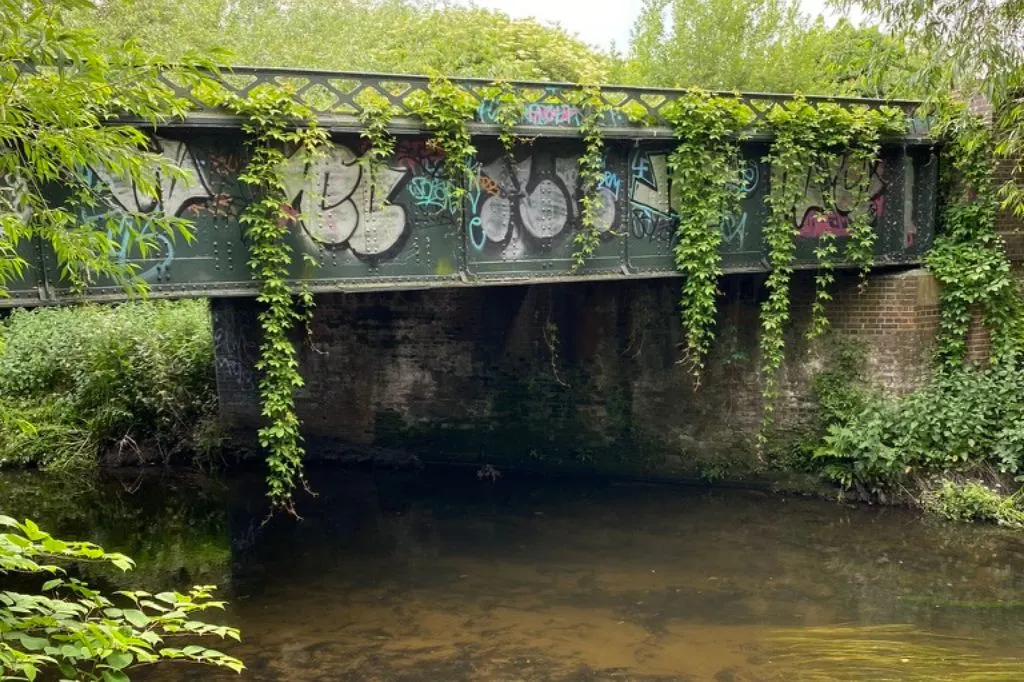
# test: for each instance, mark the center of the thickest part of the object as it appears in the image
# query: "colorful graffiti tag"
(511, 211)
(518, 206)
(131, 211)
(341, 206)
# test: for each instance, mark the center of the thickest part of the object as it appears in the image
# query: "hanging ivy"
(806, 152)
(446, 109)
(375, 115)
(507, 107)
(592, 108)
(969, 258)
(271, 122)
(825, 252)
(705, 167)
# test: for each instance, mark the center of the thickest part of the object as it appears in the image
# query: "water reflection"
(441, 576)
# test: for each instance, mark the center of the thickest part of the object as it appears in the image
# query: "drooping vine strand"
(825, 253)
(969, 258)
(506, 106)
(270, 120)
(590, 166)
(705, 168)
(376, 112)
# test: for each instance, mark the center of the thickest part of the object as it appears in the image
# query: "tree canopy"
(394, 36)
(758, 45)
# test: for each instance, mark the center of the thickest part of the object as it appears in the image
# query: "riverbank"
(92, 384)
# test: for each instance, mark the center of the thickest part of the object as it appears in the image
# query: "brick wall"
(1008, 225)
(469, 374)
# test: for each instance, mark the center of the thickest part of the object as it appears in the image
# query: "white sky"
(599, 22)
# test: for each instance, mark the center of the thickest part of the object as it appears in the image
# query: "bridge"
(515, 222)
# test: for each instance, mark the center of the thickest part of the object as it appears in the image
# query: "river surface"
(441, 575)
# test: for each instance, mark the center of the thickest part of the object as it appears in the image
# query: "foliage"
(808, 145)
(974, 501)
(705, 168)
(384, 36)
(134, 379)
(445, 109)
(74, 630)
(968, 47)
(269, 119)
(376, 112)
(864, 61)
(969, 258)
(723, 44)
(960, 421)
(591, 169)
(62, 94)
(508, 112)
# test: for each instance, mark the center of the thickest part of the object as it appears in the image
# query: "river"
(441, 575)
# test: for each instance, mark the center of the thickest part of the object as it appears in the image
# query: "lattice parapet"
(548, 109)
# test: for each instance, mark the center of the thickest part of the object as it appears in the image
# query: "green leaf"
(136, 618)
(120, 659)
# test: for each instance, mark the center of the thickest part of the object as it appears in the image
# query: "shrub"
(135, 379)
(961, 421)
(974, 501)
(69, 628)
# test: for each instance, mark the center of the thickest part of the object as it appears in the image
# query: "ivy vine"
(706, 166)
(508, 106)
(808, 146)
(375, 115)
(445, 109)
(969, 258)
(274, 123)
(592, 108)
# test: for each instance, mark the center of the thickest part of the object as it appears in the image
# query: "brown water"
(441, 576)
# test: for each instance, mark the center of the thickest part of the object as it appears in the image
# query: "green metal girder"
(515, 223)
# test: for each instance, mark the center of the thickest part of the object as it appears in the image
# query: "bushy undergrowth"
(964, 421)
(955, 445)
(133, 381)
(974, 501)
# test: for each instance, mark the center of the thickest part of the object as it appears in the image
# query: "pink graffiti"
(816, 223)
(418, 156)
(551, 114)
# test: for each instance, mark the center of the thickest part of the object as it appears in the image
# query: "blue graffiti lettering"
(432, 193)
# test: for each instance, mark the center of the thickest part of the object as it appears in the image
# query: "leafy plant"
(375, 114)
(705, 167)
(961, 421)
(508, 107)
(974, 501)
(63, 93)
(591, 169)
(135, 380)
(969, 259)
(270, 123)
(73, 630)
(445, 109)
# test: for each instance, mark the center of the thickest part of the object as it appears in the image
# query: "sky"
(599, 22)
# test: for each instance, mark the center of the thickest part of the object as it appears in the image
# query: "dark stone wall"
(578, 376)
